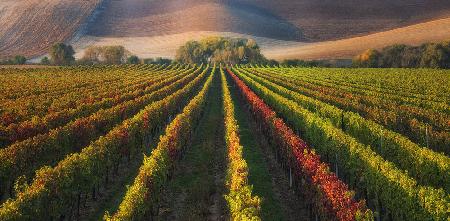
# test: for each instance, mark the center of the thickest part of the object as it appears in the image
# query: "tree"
(19, 59)
(435, 56)
(91, 56)
(220, 50)
(133, 59)
(429, 55)
(411, 57)
(114, 54)
(62, 54)
(45, 61)
(192, 52)
(104, 55)
(158, 60)
(392, 56)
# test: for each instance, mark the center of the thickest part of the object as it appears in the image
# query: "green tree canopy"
(133, 59)
(45, 61)
(105, 55)
(19, 59)
(62, 54)
(429, 55)
(220, 50)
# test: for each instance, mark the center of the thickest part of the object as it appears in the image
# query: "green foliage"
(104, 55)
(241, 202)
(145, 193)
(158, 60)
(300, 63)
(19, 59)
(45, 61)
(62, 54)
(425, 165)
(54, 189)
(133, 59)
(429, 55)
(392, 56)
(435, 56)
(79, 130)
(220, 50)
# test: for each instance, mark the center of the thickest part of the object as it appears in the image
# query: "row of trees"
(430, 55)
(246, 51)
(62, 54)
(238, 51)
(17, 60)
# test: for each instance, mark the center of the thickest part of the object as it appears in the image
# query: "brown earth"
(299, 20)
(29, 27)
(433, 31)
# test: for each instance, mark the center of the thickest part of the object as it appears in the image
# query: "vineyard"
(209, 142)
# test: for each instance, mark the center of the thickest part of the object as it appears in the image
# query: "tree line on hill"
(246, 51)
(17, 60)
(63, 55)
(429, 55)
(240, 51)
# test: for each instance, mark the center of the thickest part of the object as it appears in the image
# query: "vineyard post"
(290, 176)
(78, 204)
(426, 135)
(377, 207)
(381, 132)
(336, 165)
(381, 140)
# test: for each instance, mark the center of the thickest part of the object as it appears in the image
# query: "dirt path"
(268, 179)
(197, 187)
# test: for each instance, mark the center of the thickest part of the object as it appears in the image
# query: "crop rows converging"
(213, 142)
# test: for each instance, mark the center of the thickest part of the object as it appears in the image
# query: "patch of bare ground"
(30, 27)
(297, 20)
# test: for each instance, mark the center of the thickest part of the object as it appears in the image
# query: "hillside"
(29, 27)
(166, 45)
(304, 20)
(433, 31)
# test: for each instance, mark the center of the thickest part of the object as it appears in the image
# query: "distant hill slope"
(30, 26)
(166, 45)
(433, 31)
(300, 20)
